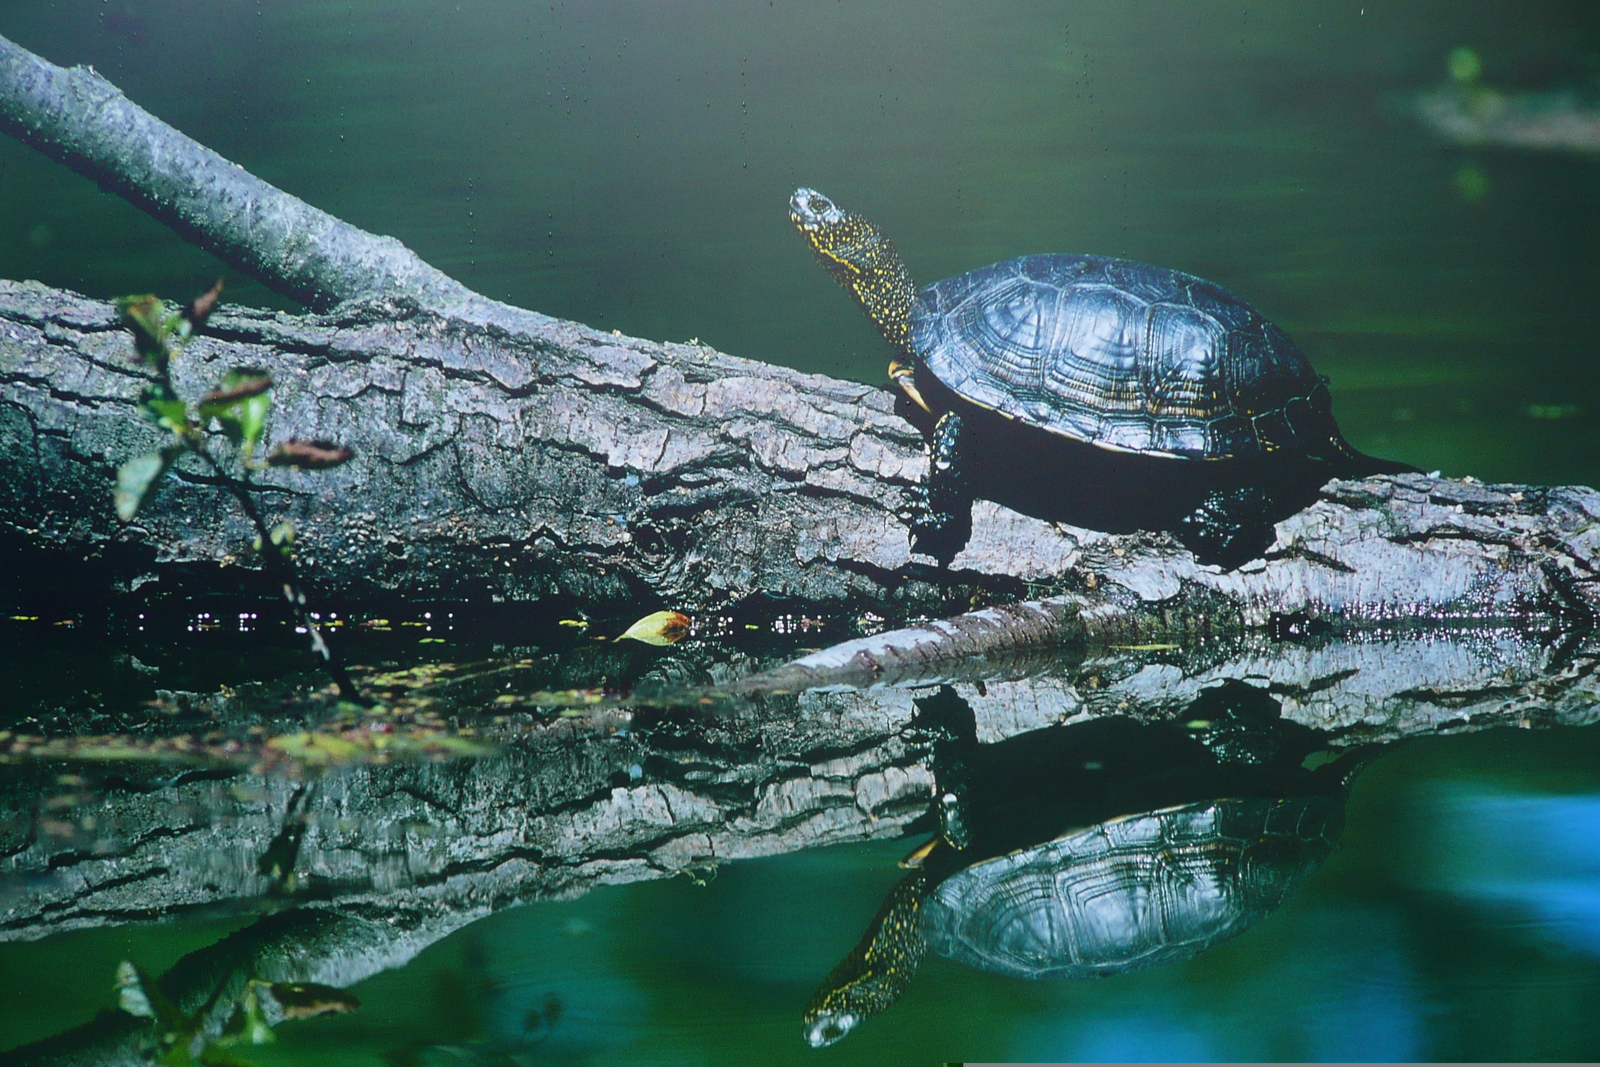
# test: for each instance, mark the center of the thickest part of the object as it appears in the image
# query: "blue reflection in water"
(1338, 988)
(1365, 1005)
(1139, 1039)
(1537, 857)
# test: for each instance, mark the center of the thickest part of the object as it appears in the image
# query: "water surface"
(627, 164)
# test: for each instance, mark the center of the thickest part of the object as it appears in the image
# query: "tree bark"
(505, 454)
(646, 794)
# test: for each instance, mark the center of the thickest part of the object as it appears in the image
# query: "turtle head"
(876, 972)
(826, 1028)
(811, 211)
(861, 259)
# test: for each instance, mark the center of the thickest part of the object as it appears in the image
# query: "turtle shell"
(1131, 892)
(1123, 355)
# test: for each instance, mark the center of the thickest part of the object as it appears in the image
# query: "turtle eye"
(820, 205)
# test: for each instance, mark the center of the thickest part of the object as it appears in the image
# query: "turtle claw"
(913, 509)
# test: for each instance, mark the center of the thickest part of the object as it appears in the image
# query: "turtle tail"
(877, 971)
(1353, 463)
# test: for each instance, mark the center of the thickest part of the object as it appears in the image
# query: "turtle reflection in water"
(1128, 892)
(1142, 397)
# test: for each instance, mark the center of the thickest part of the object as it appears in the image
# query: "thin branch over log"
(76, 116)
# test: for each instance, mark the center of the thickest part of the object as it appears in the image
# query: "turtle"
(1097, 847)
(1201, 415)
(1134, 891)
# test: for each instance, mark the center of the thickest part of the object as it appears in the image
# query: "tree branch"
(77, 117)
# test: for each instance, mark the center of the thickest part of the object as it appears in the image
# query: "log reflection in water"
(394, 857)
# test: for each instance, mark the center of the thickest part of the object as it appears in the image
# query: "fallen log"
(506, 455)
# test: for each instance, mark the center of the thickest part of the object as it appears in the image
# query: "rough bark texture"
(577, 805)
(491, 461)
(533, 456)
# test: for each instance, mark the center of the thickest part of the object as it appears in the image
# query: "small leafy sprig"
(238, 406)
(181, 1039)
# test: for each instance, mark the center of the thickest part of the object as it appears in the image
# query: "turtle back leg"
(939, 511)
(1230, 527)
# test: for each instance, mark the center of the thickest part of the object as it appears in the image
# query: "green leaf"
(281, 538)
(240, 404)
(162, 407)
(660, 628)
(146, 316)
(177, 325)
(254, 1027)
(136, 481)
(253, 421)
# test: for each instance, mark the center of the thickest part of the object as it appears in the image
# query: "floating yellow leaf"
(660, 628)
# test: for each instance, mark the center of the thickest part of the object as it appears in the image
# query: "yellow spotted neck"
(865, 262)
(878, 970)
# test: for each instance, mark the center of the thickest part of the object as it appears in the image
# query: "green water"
(1459, 920)
(628, 165)
(1439, 931)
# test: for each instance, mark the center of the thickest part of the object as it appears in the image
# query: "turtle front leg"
(939, 512)
(1230, 527)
